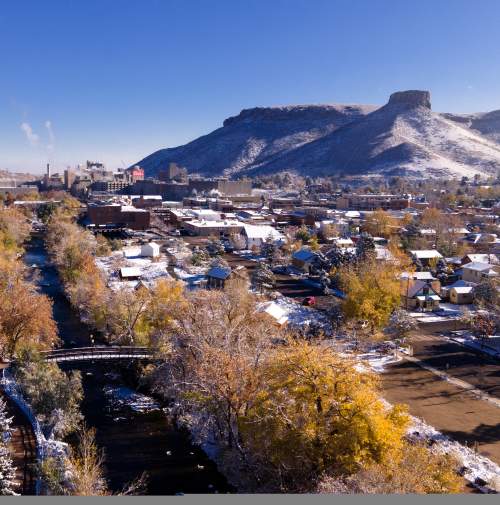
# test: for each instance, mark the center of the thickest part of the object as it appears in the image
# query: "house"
(426, 256)
(420, 295)
(256, 235)
(150, 250)
(344, 243)
(419, 276)
(275, 311)
(480, 258)
(383, 254)
(477, 271)
(482, 242)
(461, 292)
(303, 259)
(130, 273)
(218, 275)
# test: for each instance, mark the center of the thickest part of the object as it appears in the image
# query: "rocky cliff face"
(411, 99)
(403, 137)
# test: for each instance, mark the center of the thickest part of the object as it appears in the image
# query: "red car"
(309, 300)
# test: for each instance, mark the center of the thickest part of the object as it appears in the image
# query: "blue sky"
(115, 80)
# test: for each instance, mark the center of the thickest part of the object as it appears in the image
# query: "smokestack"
(48, 169)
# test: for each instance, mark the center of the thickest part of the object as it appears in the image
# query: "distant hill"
(7, 177)
(485, 123)
(403, 137)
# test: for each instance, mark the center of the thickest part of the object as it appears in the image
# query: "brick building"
(120, 216)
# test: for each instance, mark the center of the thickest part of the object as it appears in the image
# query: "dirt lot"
(466, 364)
(445, 406)
(448, 408)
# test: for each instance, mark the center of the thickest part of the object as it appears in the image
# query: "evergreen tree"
(336, 257)
(365, 247)
(269, 249)
(262, 276)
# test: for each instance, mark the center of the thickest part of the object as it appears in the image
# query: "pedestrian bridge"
(98, 352)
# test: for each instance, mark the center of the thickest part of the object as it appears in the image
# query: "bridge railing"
(98, 352)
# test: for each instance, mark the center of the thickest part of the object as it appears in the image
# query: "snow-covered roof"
(145, 197)
(131, 208)
(477, 266)
(421, 276)
(207, 214)
(462, 289)
(426, 254)
(130, 272)
(261, 231)
(417, 286)
(210, 224)
(482, 258)
(428, 297)
(352, 214)
(275, 311)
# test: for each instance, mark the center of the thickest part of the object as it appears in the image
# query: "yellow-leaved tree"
(380, 224)
(316, 413)
(373, 288)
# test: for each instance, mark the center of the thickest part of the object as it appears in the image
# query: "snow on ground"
(446, 312)
(491, 346)
(376, 360)
(474, 465)
(249, 255)
(430, 317)
(194, 277)
(45, 446)
(300, 316)
(120, 396)
(150, 270)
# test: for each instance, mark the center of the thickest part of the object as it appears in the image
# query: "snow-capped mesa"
(403, 137)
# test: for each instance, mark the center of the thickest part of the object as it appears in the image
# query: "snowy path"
(23, 444)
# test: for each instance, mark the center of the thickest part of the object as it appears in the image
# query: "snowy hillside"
(254, 136)
(485, 123)
(404, 137)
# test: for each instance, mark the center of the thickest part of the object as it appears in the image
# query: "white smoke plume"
(31, 136)
(52, 137)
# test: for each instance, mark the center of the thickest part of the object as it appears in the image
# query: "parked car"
(309, 301)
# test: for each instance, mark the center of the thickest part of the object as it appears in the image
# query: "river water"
(132, 429)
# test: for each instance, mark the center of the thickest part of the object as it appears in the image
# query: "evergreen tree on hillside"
(262, 277)
(365, 247)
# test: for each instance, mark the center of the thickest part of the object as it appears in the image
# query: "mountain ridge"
(403, 137)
